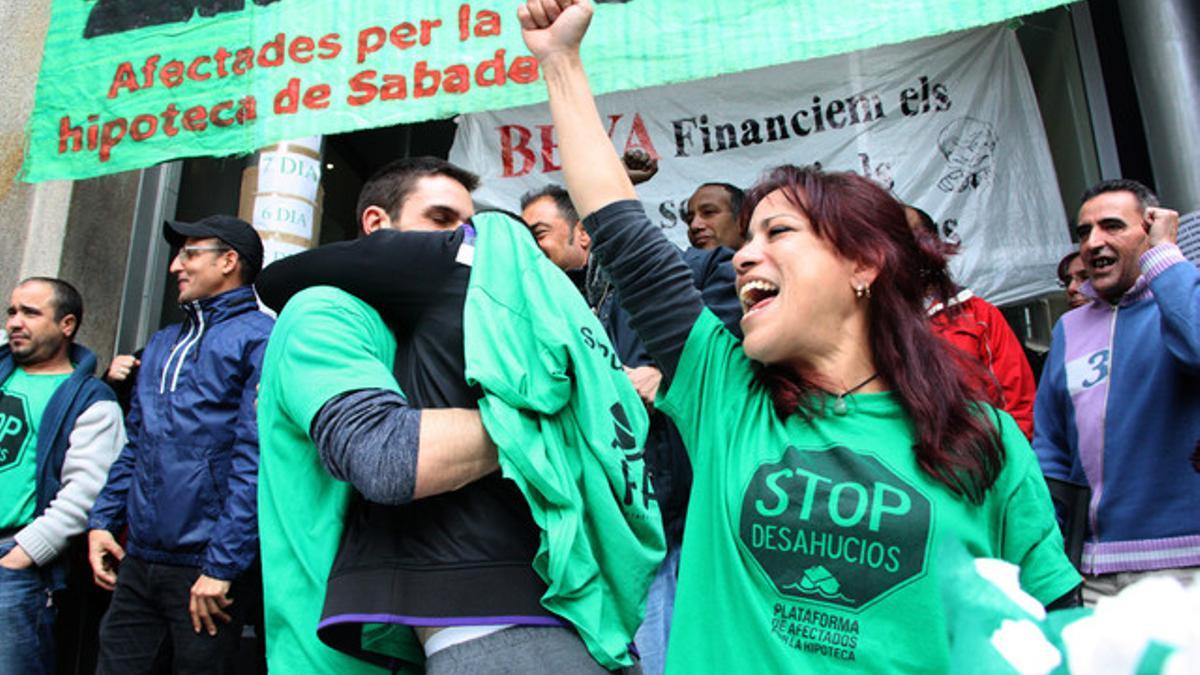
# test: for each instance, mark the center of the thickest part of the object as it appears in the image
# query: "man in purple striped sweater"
(1118, 407)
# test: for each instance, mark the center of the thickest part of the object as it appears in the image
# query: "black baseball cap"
(237, 233)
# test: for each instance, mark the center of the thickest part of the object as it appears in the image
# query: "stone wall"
(76, 230)
(31, 217)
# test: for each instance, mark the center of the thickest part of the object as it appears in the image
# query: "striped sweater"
(1118, 410)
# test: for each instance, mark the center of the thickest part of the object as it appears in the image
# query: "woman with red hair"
(837, 451)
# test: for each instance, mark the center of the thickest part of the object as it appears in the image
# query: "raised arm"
(655, 284)
(553, 30)
(1176, 285)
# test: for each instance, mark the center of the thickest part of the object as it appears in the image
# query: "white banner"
(949, 124)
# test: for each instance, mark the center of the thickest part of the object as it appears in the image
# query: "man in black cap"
(185, 483)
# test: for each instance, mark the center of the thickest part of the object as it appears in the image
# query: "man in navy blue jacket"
(60, 429)
(185, 483)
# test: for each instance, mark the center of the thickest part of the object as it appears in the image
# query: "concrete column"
(1163, 37)
(47, 228)
(32, 217)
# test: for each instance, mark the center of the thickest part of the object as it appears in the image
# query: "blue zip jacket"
(186, 482)
(1118, 409)
(78, 393)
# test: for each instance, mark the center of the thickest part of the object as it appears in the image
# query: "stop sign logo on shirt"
(835, 526)
(14, 429)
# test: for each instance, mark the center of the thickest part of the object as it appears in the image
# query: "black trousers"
(149, 611)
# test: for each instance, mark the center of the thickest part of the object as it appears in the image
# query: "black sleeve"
(654, 282)
(712, 271)
(391, 271)
(369, 438)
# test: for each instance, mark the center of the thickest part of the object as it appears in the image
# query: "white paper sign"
(275, 249)
(289, 173)
(283, 214)
(949, 124)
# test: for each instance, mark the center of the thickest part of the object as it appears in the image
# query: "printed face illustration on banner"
(834, 526)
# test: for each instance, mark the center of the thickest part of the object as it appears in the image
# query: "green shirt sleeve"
(1031, 537)
(329, 343)
(714, 388)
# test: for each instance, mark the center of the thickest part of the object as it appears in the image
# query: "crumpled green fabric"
(570, 430)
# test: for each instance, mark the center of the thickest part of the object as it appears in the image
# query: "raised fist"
(554, 26)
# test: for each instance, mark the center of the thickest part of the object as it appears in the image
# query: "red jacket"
(980, 332)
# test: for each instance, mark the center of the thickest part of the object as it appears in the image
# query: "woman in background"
(986, 349)
(1071, 276)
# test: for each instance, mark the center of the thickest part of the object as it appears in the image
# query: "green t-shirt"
(23, 398)
(326, 342)
(811, 546)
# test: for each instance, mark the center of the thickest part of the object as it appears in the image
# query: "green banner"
(129, 83)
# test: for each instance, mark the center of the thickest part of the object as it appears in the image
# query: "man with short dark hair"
(711, 214)
(185, 482)
(60, 429)
(556, 226)
(411, 485)
(1118, 408)
(416, 193)
(558, 231)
